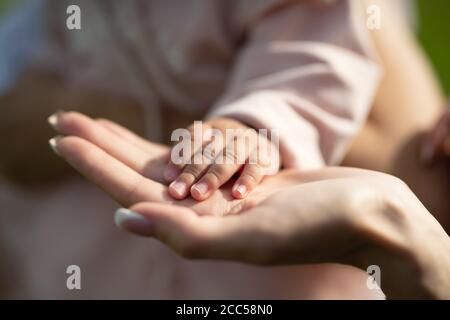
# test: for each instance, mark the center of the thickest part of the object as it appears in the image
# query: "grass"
(434, 36)
(3, 5)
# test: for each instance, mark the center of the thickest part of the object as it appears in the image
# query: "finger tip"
(240, 191)
(53, 143)
(133, 222)
(178, 190)
(54, 119)
(200, 191)
(237, 195)
(120, 216)
(196, 195)
(174, 194)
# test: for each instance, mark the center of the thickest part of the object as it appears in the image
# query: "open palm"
(129, 168)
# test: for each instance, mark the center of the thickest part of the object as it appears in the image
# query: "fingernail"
(53, 119)
(179, 187)
(53, 142)
(241, 190)
(201, 188)
(170, 173)
(133, 222)
(426, 153)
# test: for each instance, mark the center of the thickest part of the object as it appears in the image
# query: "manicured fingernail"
(133, 222)
(179, 187)
(426, 153)
(170, 173)
(201, 188)
(53, 142)
(241, 190)
(53, 119)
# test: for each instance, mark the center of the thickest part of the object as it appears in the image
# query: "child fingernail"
(201, 188)
(179, 187)
(241, 190)
(53, 142)
(133, 222)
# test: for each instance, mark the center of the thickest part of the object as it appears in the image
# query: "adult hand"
(344, 215)
(130, 169)
(349, 216)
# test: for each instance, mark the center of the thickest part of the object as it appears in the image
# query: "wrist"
(402, 238)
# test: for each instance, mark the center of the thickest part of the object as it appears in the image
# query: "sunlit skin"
(210, 163)
(315, 205)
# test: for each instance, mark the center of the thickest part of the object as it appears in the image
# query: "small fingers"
(180, 187)
(226, 164)
(264, 160)
(192, 141)
(251, 176)
(202, 178)
(216, 176)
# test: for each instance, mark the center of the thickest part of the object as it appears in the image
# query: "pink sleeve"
(309, 71)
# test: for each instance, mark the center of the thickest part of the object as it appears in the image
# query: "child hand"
(214, 152)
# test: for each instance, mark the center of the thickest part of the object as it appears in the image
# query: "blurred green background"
(434, 34)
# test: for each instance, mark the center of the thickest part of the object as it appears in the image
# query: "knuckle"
(253, 173)
(209, 155)
(249, 178)
(218, 172)
(231, 156)
(193, 170)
